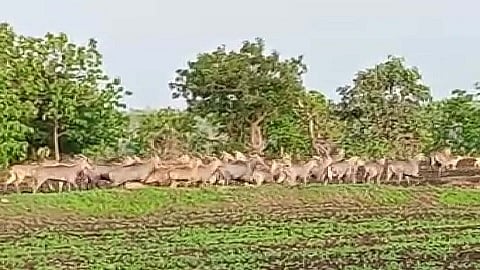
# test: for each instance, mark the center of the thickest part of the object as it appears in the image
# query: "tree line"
(56, 97)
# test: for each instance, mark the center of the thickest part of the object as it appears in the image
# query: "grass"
(135, 203)
(271, 227)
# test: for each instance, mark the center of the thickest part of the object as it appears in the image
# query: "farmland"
(271, 227)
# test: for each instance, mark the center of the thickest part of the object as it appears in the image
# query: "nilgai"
(445, 160)
(302, 171)
(184, 174)
(278, 171)
(374, 169)
(239, 170)
(19, 172)
(341, 169)
(320, 172)
(136, 172)
(67, 174)
(206, 172)
(100, 173)
(404, 168)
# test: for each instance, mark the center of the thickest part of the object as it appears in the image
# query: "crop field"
(271, 227)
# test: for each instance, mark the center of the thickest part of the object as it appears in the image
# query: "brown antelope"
(301, 171)
(68, 174)
(239, 170)
(186, 173)
(136, 172)
(444, 159)
(404, 168)
(341, 169)
(374, 169)
(19, 172)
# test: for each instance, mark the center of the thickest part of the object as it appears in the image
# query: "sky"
(145, 41)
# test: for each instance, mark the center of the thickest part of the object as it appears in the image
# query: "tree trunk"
(55, 140)
(257, 143)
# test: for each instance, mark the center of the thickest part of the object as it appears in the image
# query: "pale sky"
(145, 41)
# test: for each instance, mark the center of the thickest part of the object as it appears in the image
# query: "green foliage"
(285, 135)
(165, 131)
(380, 110)
(385, 229)
(170, 132)
(238, 88)
(16, 112)
(455, 122)
(56, 93)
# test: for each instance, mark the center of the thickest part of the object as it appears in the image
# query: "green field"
(271, 227)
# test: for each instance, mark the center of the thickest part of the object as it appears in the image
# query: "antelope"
(340, 169)
(444, 159)
(320, 172)
(101, 172)
(64, 173)
(239, 170)
(278, 171)
(374, 169)
(407, 168)
(301, 171)
(136, 172)
(185, 173)
(477, 163)
(19, 172)
(206, 172)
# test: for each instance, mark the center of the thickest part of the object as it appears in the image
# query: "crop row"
(263, 245)
(237, 217)
(128, 253)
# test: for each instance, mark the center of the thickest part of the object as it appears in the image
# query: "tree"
(455, 122)
(14, 129)
(380, 109)
(241, 90)
(74, 97)
(165, 132)
(170, 132)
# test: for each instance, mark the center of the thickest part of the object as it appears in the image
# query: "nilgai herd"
(251, 170)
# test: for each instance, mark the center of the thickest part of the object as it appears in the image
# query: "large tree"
(16, 113)
(170, 132)
(241, 89)
(455, 122)
(78, 104)
(380, 109)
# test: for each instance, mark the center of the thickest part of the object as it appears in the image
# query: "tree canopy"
(59, 94)
(55, 94)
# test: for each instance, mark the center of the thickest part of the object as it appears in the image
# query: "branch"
(62, 133)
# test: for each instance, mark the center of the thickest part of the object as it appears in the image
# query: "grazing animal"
(340, 169)
(374, 169)
(239, 170)
(445, 160)
(404, 168)
(64, 173)
(206, 172)
(477, 163)
(186, 173)
(136, 172)
(320, 172)
(301, 171)
(17, 174)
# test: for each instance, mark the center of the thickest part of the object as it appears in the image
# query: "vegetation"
(354, 227)
(55, 94)
(55, 97)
